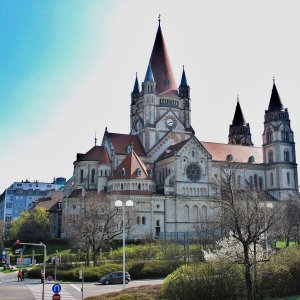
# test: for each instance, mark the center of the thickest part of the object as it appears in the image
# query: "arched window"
(186, 213)
(239, 181)
(288, 179)
(93, 176)
(284, 135)
(271, 179)
(157, 223)
(144, 220)
(286, 155)
(270, 154)
(139, 186)
(260, 179)
(138, 172)
(122, 186)
(81, 176)
(195, 212)
(204, 211)
(269, 136)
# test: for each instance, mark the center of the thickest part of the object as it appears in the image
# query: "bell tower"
(279, 149)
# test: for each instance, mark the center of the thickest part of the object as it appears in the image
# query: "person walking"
(23, 274)
(19, 275)
(42, 277)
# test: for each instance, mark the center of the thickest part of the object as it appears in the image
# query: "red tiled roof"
(161, 66)
(130, 164)
(97, 153)
(239, 153)
(122, 141)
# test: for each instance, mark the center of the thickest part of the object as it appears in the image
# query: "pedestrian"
(19, 275)
(42, 277)
(23, 275)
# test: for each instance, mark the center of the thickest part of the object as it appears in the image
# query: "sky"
(67, 68)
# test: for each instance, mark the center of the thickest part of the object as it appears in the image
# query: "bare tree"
(97, 224)
(291, 220)
(247, 215)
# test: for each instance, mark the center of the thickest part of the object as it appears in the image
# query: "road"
(31, 289)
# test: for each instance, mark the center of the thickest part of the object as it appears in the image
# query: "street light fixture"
(120, 204)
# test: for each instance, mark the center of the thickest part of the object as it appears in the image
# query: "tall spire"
(275, 103)
(238, 119)
(149, 73)
(183, 78)
(161, 66)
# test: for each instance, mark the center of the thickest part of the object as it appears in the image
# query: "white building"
(162, 166)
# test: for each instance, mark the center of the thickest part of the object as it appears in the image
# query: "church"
(165, 170)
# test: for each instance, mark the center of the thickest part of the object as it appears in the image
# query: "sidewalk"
(12, 277)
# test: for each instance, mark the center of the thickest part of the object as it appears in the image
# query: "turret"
(239, 130)
(279, 149)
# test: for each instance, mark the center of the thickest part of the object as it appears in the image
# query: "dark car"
(114, 277)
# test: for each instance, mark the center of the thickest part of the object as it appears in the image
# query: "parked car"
(114, 277)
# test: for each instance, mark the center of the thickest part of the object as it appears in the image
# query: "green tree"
(31, 226)
(2, 232)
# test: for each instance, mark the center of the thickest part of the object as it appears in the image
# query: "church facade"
(165, 170)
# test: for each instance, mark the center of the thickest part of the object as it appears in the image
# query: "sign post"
(81, 277)
(56, 288)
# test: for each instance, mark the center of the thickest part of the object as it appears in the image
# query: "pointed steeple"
(238, 119)
(183, 78)
(275, 102)
(136, 88)
(149, 73)
(161, 66)
(239, 130)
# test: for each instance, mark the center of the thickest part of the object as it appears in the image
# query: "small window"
(269, 136)
(157, 223)
(251, 160)
(271, 179)
(81, 176)
(123, 172)
(270, 156)
(288, 179)
(138, 220)
(229, 157)
(138, 172)
(93, 176)
(129, 149)
(286, 155)
(122, 186)
(143, 220)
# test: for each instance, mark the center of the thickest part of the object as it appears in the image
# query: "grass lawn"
(146, 292)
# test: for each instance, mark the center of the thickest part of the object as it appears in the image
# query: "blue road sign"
(56, 288)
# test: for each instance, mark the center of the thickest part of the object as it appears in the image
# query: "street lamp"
(118, 204)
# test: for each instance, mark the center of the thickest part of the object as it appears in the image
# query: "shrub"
(212, 280)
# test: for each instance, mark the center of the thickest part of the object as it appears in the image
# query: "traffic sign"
(56, 288)
(56, 297)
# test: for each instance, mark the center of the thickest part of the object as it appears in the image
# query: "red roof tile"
(97, 153)
(130, 164)
(239, 153)
(122, 141)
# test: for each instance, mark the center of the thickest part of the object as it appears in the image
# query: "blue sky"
(67, 68)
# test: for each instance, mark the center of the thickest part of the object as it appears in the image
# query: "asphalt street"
(31, 289)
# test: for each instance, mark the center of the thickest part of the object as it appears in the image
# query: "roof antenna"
(158, 20)
(95, 138)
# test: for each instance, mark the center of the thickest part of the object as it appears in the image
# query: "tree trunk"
(248, 278)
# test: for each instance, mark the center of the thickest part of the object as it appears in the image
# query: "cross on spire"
(159, 20)
(95, 138)
(273, 78)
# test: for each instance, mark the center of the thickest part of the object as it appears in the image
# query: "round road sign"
(56, 297)
(56, 288)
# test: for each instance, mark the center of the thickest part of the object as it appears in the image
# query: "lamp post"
(120, 204)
